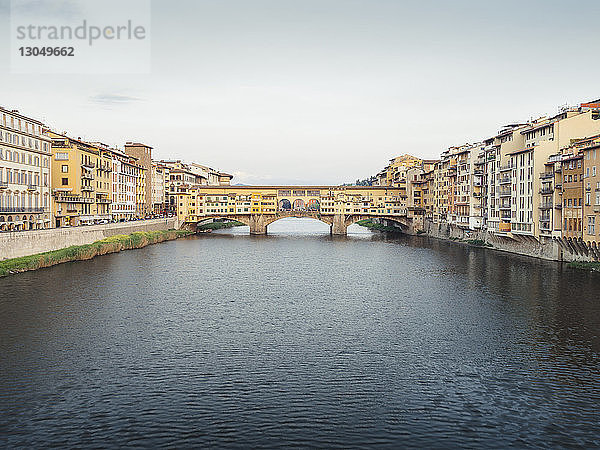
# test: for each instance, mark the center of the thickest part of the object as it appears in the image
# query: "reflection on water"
(303, 339)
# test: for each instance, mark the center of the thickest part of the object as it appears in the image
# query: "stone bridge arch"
(338, 223)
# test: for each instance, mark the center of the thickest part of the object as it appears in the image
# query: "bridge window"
(285, 205)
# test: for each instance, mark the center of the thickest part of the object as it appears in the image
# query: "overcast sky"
(325, 91)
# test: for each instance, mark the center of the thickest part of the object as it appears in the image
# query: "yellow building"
(141, 205)
(81, 183)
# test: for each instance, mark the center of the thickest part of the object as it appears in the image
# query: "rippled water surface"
(301, 339)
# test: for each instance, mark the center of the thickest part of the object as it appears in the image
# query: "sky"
(327, 91)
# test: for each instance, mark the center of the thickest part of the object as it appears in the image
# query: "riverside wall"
(554, 249)
(24, 243)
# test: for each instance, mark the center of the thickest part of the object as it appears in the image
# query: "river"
(301, 339)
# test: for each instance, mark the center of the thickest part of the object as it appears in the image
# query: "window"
(65, 168)
(591, 225)
(65, 181)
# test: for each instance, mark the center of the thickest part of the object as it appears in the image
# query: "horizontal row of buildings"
(539, 179)
(49, 179)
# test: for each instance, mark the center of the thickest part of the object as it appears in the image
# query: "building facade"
(81, 190)
(25, 175)
(143, 154)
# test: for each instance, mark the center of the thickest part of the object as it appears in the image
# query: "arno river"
(301, 339)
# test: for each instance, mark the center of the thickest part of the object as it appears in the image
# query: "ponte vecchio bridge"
(259, 206)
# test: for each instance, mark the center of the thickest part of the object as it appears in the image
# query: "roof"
(538, 127)
(15, 112)
(572, 157)
(522, 150)
(136, 144)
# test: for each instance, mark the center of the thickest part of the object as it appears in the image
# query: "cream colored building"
(126, 174)
(159, 187)
(25, 175)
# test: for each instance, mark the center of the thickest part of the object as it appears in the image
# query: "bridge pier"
(338, 225)
(258, 224)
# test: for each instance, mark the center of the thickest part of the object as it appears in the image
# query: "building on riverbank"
(185, 176)
(572, 195)
(143, 155)
(126, 185)
(25, 175)
(159, 176)
(590, 149)
(81, 181)
(533, 180)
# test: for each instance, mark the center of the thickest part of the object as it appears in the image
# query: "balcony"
(3, 184)
(505, 180)
(73, 199)
(102, 200)
(505, 207)
(546, 175)
(505, 193)
(506, 168)
(88, 165)
(32, 187)
(544, 219)
(20, 210)
(546, 190)
(554, 158)
(558, 206)
(87, 188)
(87, 175)
(477, 194)
(546, 206)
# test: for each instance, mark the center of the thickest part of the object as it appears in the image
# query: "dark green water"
(301, 339)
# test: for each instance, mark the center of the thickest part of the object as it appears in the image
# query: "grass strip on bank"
(88, 251)
(593, 266)
(219, 225)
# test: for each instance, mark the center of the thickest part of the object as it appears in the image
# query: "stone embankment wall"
(555, 249)
(25, 243)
